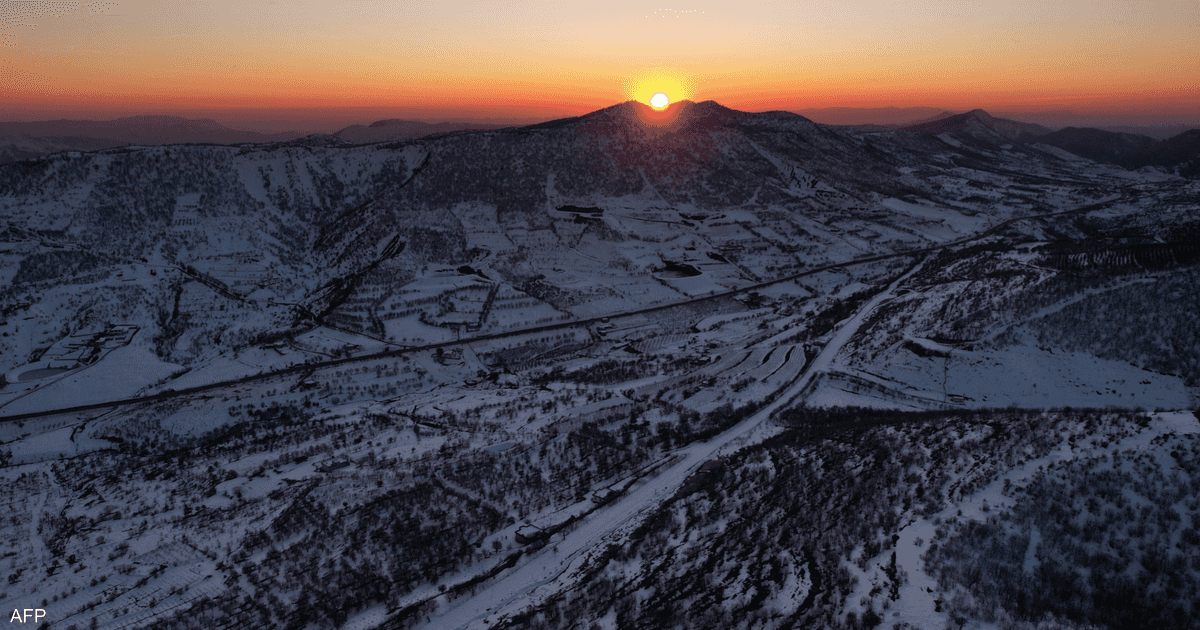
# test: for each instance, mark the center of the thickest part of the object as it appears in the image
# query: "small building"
(530, 533)
(333, 464)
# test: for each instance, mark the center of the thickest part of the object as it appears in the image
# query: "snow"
(1033, 377)
(796, 586)
(557, 565)
(948, 139)
(122, 373)
(55, 444)
(916, 603)
(717, 321)
(1060, 153)
(602, 268)
(830, 394)
(1031, 561)
(960, 223)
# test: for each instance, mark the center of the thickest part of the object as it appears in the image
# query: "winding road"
(555, 566)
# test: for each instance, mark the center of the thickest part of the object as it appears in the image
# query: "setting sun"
(659, 87)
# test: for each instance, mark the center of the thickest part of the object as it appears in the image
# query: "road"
(375, 356)
(560, 559)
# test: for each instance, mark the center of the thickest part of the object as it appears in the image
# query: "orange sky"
(532, 59)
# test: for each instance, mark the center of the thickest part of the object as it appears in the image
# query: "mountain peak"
(979, 125)
(677, 116)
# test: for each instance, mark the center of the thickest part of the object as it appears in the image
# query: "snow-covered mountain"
(692, 368)
(881, 116)
(773, 192)
(14, 148)
(1124, 149)
(1178, 154)
(981, 125)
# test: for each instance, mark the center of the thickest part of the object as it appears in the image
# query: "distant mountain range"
(980, 125)
(1125, 149)
(895, 117)
(882, 116)
(1179, 154)
(396, 129)
(142, 130)
(25, 140)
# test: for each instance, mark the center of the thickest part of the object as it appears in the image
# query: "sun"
(668, 84)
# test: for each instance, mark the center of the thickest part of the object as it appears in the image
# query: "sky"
(526, 60)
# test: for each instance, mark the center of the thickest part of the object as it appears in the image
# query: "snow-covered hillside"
(591, 370)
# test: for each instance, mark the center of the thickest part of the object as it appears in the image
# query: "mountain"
(936, 117)
(1124, 149)
(392, 130)
(320, 215)
(149, 130)
(692, 368)
(879, 128)
(1180, 153)
(979, 125)
(23, 147)
(24, 140)
(1158, 132)
(882, 116)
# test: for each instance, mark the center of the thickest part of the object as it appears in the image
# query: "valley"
(603, 372)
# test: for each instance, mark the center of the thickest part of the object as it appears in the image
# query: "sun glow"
(645, 88)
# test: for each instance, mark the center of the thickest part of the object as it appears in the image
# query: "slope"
(979, 125)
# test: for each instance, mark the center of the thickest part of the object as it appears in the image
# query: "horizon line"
(235, 118)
